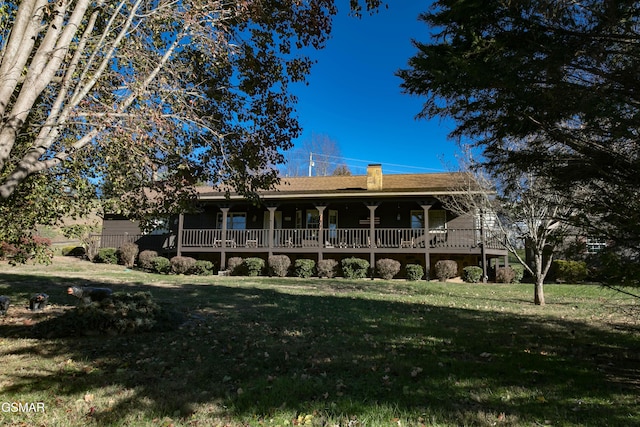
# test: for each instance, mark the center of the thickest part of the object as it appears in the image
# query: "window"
(235, 220)
(595, 245)
(417, 219)
(313, 218)
(298, 219)
(333, 223)
(437, 220)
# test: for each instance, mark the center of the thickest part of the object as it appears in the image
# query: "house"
(370, 216)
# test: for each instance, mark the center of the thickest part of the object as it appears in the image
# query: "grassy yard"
(284, 352)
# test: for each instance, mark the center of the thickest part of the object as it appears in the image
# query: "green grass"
(267, 352)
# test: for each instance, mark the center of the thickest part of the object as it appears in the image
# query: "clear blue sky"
(354, 97)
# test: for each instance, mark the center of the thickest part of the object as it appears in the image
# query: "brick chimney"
(374, 177)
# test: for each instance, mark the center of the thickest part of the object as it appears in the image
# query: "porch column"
(180, 228)
(427, 241)
(223, 239)
(320, 209)
(272, 219)
(372, 237)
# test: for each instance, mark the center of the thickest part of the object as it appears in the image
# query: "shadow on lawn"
(247, 352)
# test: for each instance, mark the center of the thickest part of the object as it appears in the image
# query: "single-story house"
(370, 216)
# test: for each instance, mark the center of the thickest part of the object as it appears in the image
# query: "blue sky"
(354, 97)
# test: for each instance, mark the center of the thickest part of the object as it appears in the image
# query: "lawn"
(319, 352)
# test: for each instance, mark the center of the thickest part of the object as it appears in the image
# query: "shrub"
(279, 265)
(123, 313)
(446, 269)
(327, 268)
(145, 258)
(355, 268)
(414, 272)
(387, 268)
(203, 268)
(519, 273)
(160, 265)
(472, 274)
(570, 271)
(234, 265)
(304, 267)
(127, 254)
(106, 256)
(505, 275)
(7, 250)
(182, 264)
(73, 251)
(253, 266)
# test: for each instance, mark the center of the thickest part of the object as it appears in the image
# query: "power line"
(323, 158)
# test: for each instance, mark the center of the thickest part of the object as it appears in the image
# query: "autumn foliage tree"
(145, 98)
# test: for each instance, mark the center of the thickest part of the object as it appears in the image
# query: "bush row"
(127, 255)
(352, 268)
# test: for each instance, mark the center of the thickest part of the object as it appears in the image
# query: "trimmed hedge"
(203, 268)
(570, 271)
(279, 265)
(253, 266)
(414, 272)
(160, 265)
(446, 269)
(387, 268)
(472, 274)
(182, 264)
(505, 275)
(304, 268)
(235, 265)
(106, 256)
(355, 268)
(145, 258)
(127, 254)
(327, 268)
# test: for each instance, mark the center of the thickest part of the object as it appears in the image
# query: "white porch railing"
(338, 238)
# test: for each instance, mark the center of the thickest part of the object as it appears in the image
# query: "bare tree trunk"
(538, 293)
(540, 272)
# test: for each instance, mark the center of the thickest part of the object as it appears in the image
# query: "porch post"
(223, 239)
(272, 218)
(179, 239)
(372, 237)
(320, 209)
(427, 241)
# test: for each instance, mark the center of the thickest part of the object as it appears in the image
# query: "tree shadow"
(250, 352)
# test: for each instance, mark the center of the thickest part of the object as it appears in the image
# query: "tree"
(521, 211)
(140, 100)
(562, 76)
(319, 151)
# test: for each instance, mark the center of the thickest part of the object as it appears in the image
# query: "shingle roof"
(356, 185)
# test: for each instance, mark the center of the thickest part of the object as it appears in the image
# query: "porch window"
(417, 220)
(333, 223)
(313, 218)
(437, 220)
(235, 220)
